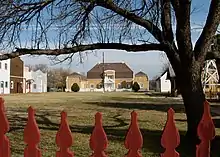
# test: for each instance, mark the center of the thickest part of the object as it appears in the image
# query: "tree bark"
(193, 96)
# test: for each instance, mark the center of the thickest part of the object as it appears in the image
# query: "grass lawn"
(81, 108)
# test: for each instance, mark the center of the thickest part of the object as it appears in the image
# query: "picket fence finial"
(134, 139)
(206, 132)
(64, 138)
(170, 137)
(31, 135)
(98, 140)
(4, 128)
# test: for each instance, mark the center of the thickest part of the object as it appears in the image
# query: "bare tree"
(57, 78)
(42, 67)
(130, 25)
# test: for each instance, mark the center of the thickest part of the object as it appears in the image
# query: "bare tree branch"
(209, 30)
(153, 29)
(166, 22)
(80, 48)
(183, 29)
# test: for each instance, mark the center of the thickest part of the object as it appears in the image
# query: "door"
(19, 88)
(1, 87)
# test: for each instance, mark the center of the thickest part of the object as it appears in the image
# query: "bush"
(99, 86)
(135, 87)
(75, 87)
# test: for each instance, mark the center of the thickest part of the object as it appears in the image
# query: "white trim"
(16, 76)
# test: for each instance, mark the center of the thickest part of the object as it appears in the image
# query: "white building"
(163, 84)
(5, 77)
(35, 81)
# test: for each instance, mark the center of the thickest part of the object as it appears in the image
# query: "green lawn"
(81, 108)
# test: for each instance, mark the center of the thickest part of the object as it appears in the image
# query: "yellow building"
(142, 79)
(116, 77)
(76, 78)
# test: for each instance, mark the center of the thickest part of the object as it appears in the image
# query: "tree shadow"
(162, 107)
(216, 121)
(152, 138)
(151, 143)
(179, 108)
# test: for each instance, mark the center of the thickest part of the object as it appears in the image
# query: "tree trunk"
(193, 97)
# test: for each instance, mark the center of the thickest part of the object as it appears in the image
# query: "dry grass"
(81, 108)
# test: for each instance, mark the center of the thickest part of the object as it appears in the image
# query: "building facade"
(16, 75)
(142, 79)
(113, 75)
(78, 78)
(35, 81)
(163, 83)
(5, 77)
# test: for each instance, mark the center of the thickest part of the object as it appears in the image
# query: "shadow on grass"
(115, 133)
(179, 108)
(216, 121)
(162, 107)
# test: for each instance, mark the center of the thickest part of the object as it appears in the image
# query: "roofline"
(111, 63)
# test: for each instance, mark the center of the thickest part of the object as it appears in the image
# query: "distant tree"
(135, 87)
(75, 87)
(57, 78)
(152, 84)
(43, 67)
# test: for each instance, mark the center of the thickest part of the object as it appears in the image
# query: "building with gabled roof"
(78, 78)
(142, 79)
(116, 77)
(115, 74)
(163, 83)
(35, 81)
(5, 76)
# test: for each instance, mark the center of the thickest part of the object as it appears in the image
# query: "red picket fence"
(98, 141)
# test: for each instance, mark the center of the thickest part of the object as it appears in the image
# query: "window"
(12, 84)
(35, 86)
(110, 77)
(6, 84)
(2, 84)
(6, 66)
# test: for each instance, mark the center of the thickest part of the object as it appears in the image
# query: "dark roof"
(141, 74)
(167, 70)
(170, 73)
(121, 70)
(75, 74)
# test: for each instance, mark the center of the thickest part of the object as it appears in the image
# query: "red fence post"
(31, 136)
(98, 140)
(134, 139)
(4, 128)
(64, 138)
(206, 132)
(170, 137)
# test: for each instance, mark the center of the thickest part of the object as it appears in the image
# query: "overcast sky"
(150, 62)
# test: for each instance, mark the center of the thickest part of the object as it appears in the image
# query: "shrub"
(75, 87)
(99, 86)
(135, 87)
